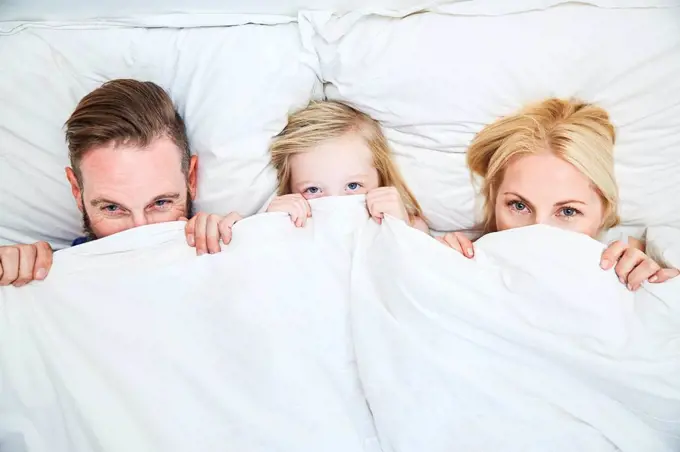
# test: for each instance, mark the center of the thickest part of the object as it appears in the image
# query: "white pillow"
(663, 245)
(434, 80)
(174, 12)
(234, 86)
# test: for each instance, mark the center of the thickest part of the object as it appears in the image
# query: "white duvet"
(342, 336)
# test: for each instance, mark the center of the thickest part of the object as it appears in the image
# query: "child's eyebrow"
(305, 182)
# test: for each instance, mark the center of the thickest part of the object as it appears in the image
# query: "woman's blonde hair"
(577, 132)
(325, 120)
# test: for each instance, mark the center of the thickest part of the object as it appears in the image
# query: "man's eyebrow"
(165, 196)
(98, 201)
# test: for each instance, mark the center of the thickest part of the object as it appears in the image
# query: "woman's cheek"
(503, 222)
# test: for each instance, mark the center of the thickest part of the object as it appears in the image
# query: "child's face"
(544, 189)
(336, 167)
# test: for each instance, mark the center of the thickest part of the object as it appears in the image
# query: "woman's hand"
(633, 266)
(294, 205)
(458, 242)
(204, 231)
(385, 201)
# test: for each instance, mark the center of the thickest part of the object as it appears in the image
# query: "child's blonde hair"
(577, 132)
(325, 120)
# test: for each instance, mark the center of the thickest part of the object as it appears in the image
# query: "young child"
(332, 149)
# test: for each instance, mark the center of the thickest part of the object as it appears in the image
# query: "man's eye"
(353, 185)
(312, 190)
(162, 203)
(111, 208)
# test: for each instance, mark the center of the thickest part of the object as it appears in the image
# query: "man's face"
(127, 186)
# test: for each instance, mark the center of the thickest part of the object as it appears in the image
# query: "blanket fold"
(345, 336)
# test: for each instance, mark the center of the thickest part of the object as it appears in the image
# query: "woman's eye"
(312, 190)
(569, 211)
(518, 205)
(353, 185)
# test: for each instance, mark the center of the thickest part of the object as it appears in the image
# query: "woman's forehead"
(547, 174)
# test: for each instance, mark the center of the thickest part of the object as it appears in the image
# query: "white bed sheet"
(285, 340)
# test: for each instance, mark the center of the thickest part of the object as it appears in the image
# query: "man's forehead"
(161, 155)
(150, 170)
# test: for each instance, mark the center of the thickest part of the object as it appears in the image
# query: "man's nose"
(140, 219)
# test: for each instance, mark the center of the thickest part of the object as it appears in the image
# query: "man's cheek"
(173, 214)
(103, 226)
(106, 226)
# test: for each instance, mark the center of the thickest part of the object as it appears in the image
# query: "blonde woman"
(332, 149)
(552, 163)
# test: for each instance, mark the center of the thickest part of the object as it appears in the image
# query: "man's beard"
(87, 224)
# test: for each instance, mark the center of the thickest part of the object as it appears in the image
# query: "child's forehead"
(345, 150)
(330, 162)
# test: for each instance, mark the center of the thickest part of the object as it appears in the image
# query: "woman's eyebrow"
(569, 201)
(524, 199)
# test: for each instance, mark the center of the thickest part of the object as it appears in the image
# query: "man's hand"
(204, 231)
(21, 264)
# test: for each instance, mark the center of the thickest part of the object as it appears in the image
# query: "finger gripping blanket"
(341, 336)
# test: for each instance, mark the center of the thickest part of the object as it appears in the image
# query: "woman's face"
(544, 189)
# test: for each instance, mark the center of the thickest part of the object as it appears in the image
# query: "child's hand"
(294, 205)
(204, 231)
(385, 200)
(458, 242)
(633, 266)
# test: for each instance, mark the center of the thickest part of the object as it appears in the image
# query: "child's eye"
(312, 190)
(353, 185)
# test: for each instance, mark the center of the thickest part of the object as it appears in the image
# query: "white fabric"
(480, 59)
(135, 344)
(530, 347)
(233, 85)
(435, 80)
(663, 244)
(174, 12)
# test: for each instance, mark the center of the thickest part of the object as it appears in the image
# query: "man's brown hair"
(124, 111)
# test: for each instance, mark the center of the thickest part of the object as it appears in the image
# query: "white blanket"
(134, 344)
(530, 347)
(278, 343)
